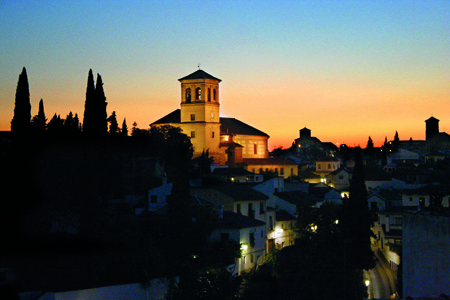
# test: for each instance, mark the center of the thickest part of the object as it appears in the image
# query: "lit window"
(198, 93)
(192, 117)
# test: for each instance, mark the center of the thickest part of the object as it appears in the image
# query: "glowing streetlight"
(367, 282)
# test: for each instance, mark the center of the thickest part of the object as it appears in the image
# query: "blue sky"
(344, 69)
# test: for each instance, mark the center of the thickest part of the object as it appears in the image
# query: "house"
(388, 232)
(434, 156)
(380, 198)
(284, 167)
(288, 201)
(376, 202)
(402, 156)
(325, 193)
(249, 233)
(237, 175)
(326, 165)
(284, 233)
(434, 196)
(339, 179)
(307, 144)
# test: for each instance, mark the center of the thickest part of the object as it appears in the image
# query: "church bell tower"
(200, 111)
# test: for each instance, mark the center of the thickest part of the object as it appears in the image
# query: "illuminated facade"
(226, 139)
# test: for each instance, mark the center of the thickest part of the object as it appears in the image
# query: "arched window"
(209, 94)
(198, 94)
(214, 94)
(188, 95)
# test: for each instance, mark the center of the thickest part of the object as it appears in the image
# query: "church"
(228, 140)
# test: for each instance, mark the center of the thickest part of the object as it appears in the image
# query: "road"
(381, 279)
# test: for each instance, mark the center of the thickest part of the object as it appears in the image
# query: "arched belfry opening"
(198, 94)
(188, 95)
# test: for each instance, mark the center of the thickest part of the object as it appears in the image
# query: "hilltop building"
(229, 141)
(307, 143)
(434, 140)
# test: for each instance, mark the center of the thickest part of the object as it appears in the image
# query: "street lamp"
(367, 282)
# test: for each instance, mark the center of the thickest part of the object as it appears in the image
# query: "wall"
(157, 289)
(426, 259)
(248, 141)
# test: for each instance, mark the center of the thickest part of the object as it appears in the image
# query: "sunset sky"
(347, 70)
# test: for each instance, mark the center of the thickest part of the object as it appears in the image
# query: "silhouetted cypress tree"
(21, 122)
(41, 121)
(76, 123)
(89, 106)
(100, 108)
(124, 128)
(356, 219)
(113, 126)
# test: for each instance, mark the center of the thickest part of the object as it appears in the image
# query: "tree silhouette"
(56, 126)
(124, 128)
(21, 122)
(113, 126)
(39, 121)
(356, 219)
(101, 127)
(89, 106)
(134, 129)
(95, 124)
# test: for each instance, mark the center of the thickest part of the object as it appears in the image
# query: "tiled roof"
(342, 168)
(237, 221)
(199, 74)
(318, 190)
(173, 117)
(397, 210)
(431, 119)
(327, 158)
(234, 126)
(241, 192)
(298, 197)
(269, 161)
(282, 215)
(231, 172)
(228, 125)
